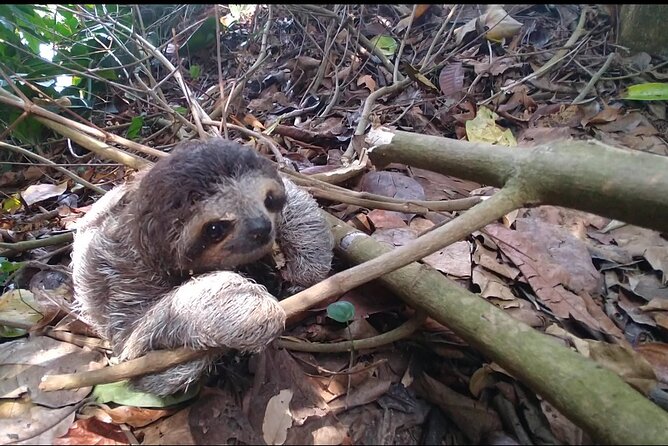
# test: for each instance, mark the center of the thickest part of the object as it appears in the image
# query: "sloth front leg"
(304, 238)
(212, 310)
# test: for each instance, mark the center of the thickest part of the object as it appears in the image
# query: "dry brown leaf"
(437, 186)
(93, 431)
(368, 82)
(24, 362)
(171, 430)
(325, 430)
(253, 121)
(278, 370)
(451, 79)
(551, 259)
(31, 423)
(641, 242)
(656, 353)
(491, 285)
(621, 359)
(132, 416)
(484, 256)
(454, 260)
(562, 428)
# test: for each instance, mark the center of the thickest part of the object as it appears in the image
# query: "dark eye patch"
(274, 202)
(217, 230)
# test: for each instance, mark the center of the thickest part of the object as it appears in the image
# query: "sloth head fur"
(209, 206)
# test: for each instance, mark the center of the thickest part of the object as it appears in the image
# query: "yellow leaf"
(11, 204)
(483, 128)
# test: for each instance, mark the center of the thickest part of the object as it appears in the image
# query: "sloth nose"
(259, 229)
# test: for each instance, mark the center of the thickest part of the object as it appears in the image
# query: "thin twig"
(13, 248)
(558, 57)
(50, 163)
(397, 59)
(9, 99)
(236, 91)
(275, 150)
(401, 332)
(366, 113)
(595, 78)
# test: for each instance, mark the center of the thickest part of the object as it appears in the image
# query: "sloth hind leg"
(220, 309)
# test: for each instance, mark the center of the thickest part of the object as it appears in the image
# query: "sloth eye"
(274, 203)
(217, 230)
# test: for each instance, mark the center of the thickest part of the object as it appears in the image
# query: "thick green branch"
(627, 185)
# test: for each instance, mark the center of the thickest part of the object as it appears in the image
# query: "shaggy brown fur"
(154, 260)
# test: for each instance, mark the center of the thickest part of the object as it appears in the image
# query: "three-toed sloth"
(156, 260)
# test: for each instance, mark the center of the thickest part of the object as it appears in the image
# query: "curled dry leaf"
(367, 81)
(500, 24)
(40, 192)
(451, 79)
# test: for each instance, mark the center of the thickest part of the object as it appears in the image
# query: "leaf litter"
(602, 292)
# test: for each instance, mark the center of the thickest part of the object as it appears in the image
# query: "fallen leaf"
(621, 359)
(451, 79)
(40, 192)
(35, 424)
(419, 12)
(368, 82)
(18, 306)
(386, 44)
(557, 266)
(370, 391)
(656, 353)
(133, 416)
(172, 430)
(277, 418)
(491, 285)
(24, 362)
(454, 260)
(500, 24)
(488, 258)
(93, 431)
(651, 91)
(483, 128)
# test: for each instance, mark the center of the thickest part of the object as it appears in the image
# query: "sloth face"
(211, 205)
(236, 225)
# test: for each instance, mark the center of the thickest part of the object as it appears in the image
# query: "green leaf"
(180, 110)
(7, 267)
(10, 205)
(386, 44)
(203, 37)
(135, 127)
(652, 91)
(11, 332)
(195, 71)
(120, 392)
(341, 311)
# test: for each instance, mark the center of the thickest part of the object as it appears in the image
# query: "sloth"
(157, 263)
